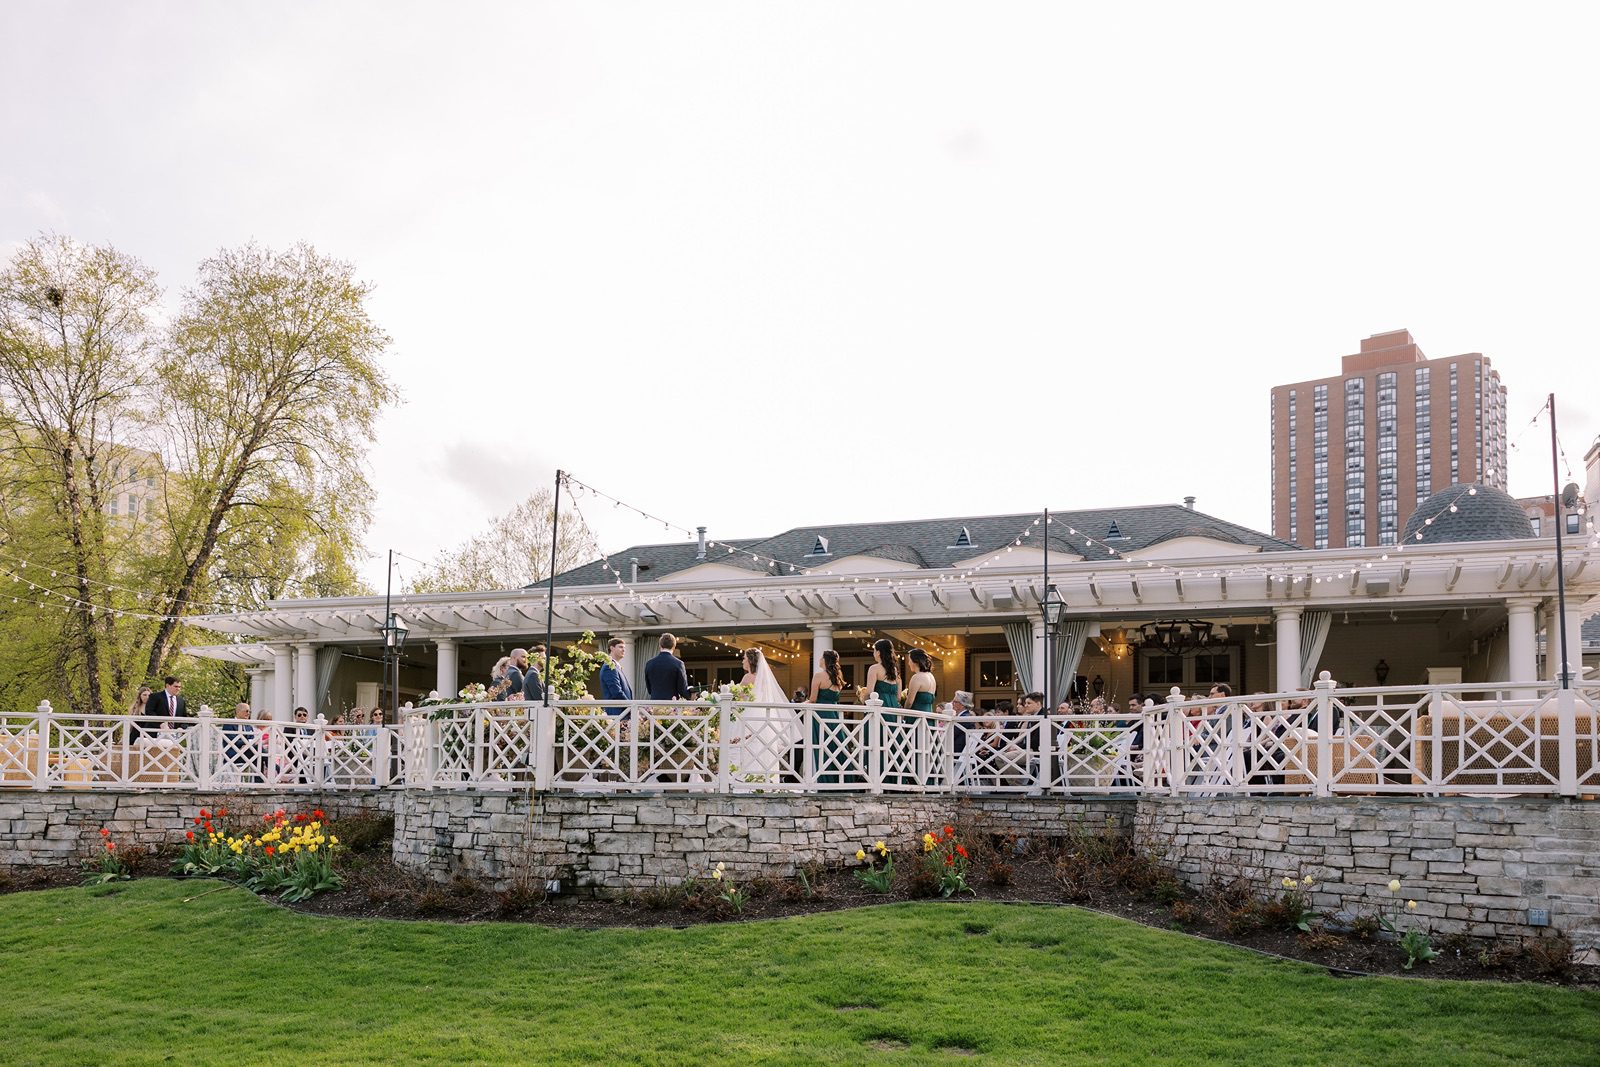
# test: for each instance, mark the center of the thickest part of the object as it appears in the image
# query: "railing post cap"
(874, 701)
(44, 707)
(1325, 681)
(1175, 696)
(206, 712)
(320, 720)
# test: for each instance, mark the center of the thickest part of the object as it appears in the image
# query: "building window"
(1538, 523)
(1572, 523)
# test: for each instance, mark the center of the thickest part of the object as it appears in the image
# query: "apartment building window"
(1538, 524)
(1388, 453)
(1319, 458)
(1573, 523)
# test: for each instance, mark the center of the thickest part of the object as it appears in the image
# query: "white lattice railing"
(1504, 738)
(45, 749)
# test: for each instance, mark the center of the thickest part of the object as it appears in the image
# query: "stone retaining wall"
(1473, 865)
(606, 845)
(62, 827)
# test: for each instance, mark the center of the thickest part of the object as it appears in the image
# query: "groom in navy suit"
(613, 681)
(665, 677)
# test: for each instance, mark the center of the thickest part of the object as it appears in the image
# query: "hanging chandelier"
(1177, 636)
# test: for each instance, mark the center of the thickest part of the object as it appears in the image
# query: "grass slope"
(135, 975)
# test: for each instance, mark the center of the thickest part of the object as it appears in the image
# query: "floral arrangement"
(108, 866)
(292, 855)
(570, 671)
(474, 693)
(740, 693)
(947, 861)
(879, 870)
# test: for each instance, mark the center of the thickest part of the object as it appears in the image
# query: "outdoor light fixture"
(1054, 608)
(394, 632)
(1176, 637)
(1381, 671)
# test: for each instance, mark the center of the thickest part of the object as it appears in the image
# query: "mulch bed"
(376, 889)
(1124, 886)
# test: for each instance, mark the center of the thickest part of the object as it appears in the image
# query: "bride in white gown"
(762, 736)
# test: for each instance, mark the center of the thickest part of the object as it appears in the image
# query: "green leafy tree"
(76, 339)
(274, 374)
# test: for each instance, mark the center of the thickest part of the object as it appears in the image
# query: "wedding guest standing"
(516, 674)
(665, 676)
(920, 686)
(532, 677)
(883, 682)
(614, 684)
(136, 709)
(827, 746)
(883, 679)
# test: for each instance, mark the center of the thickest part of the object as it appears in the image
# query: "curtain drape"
(1069, 646)
(1019, 638)
(327, 663)
(1313, 635)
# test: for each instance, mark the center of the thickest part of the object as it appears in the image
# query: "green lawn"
(135, 975)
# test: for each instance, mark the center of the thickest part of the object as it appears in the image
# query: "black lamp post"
(1054, 610)
(394, 632)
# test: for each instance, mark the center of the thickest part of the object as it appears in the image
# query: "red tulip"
(317, 814)
(111, 846)
(221, 813)
(204, 814)
(269, 850)
(104, 832)
(189, 834)
(949, 830)
(300, 818)
(949, 861)
(962, 851)
(197, 820)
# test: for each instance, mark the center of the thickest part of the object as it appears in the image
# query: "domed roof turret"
(1467, 513)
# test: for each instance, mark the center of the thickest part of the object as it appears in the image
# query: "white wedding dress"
(763, 736)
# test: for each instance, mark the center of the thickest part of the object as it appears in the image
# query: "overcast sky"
(756, 265)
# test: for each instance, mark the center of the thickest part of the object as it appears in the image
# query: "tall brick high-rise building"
(1352, 455)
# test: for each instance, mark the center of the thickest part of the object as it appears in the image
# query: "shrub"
(519, 897)
(999, 873)
(1185, 913)
(1365, 927)
(1320, 941)
(1551, 956)
(366, 832)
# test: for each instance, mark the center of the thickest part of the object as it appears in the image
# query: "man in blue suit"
(665, 677)
(613, 681)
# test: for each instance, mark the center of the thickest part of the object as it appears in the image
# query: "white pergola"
(1519, 576)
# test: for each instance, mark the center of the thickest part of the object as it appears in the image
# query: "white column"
(282, 695)
(1037, 681)
(1288, 637)
(305, 677)
(1523, 664)
(446, 676)
(821, 641)
(630, 657)
(1574, 641)
(1552, 639)
(258, 687)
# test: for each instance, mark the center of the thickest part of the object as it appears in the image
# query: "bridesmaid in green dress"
(825, 687)
(883, 682)
(920, 686)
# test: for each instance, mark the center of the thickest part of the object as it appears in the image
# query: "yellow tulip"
(333, 840)
(861, 854)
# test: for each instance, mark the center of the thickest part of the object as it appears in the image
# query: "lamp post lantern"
(394, 631)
